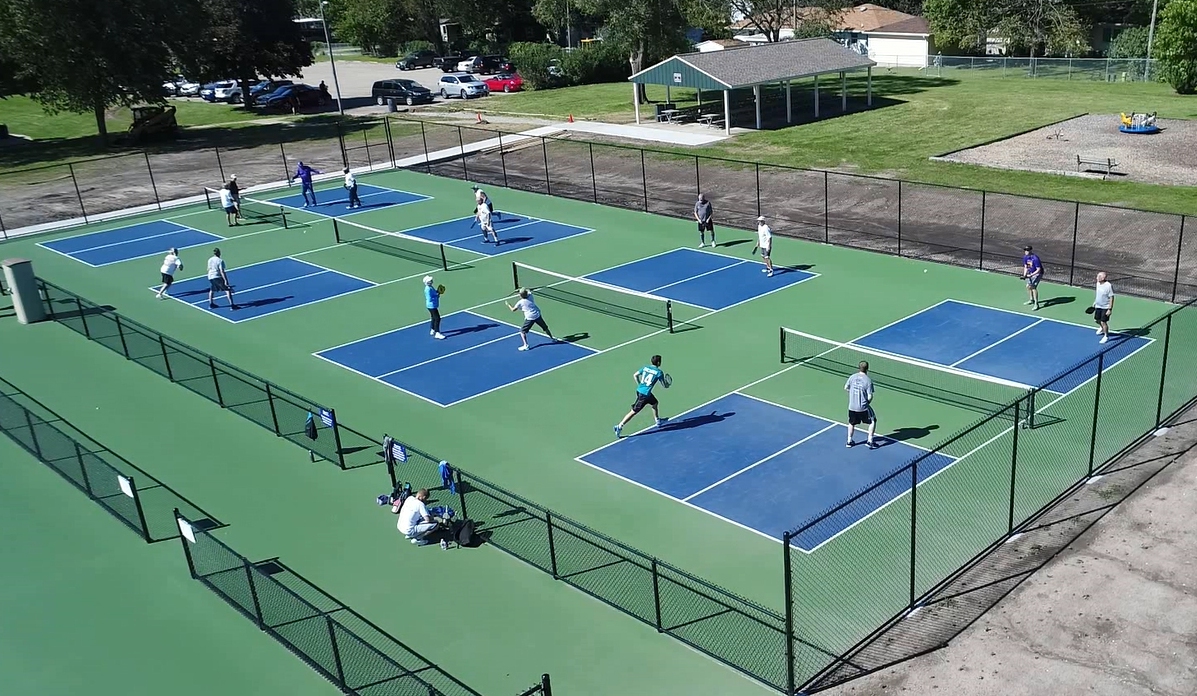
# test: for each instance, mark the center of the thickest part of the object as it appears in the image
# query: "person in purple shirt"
(1032, 271)
(304, 173)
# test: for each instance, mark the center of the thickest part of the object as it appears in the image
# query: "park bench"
(1105, 165)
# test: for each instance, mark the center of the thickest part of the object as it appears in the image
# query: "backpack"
(464, 534)
(401, 493)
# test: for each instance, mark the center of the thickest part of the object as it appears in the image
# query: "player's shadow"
(904, 434)
(779, 270)
(694, 421)
(513, 240)
(1144, 331)
(264, 302)
(470, 329)
(574, 338)
(1053, 301)
(734, 242)
(504, 221)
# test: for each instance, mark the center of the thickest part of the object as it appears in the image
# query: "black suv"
(407, 91)
(416, 59)
(449, 63)
(494, 64)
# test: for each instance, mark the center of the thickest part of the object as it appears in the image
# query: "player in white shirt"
(218, 281)
(229, 203)
(1103, 305)
(483, 216)
(764, 239)
(351, 187)
(170, 264)
(480, 197)
(531, 316)
(414, 521)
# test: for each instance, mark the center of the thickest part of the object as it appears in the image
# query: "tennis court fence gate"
(1146, 253)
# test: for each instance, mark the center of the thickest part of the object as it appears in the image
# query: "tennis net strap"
(393, 243)
(969, 390)
(595, 296)
(250, 207)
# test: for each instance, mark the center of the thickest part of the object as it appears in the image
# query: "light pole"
(569, 33)
(1150, 38)
(331, 60)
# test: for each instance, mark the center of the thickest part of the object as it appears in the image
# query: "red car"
(505, 82)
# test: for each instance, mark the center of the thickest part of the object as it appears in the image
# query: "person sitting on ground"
(415, 521)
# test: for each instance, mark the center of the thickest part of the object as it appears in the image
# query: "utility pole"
(331, 60)
(1150, 39)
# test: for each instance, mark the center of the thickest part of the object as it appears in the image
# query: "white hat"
(428, 280)
(233, 176)
(761, 218)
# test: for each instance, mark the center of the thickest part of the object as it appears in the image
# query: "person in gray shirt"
(703, 213)
(860, 405)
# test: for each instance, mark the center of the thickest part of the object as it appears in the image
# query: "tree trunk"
(101, 123)
(636, 62)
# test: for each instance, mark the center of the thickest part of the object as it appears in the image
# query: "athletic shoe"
(235, 307)
(421, 542)
(701, 244)
(765, 270)
(769, 274)
(1104, 339)
(850, 444)
(872, 445)
(211, 305)
(618, 430)
(661, 421)
(522, 348)
(1036, 308)
(431, 332)
(1029, 303)
(438, 335)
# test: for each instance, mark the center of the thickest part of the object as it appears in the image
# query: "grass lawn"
(915, 117)
(25, 116)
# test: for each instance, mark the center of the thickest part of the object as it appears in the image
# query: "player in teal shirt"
(432, 301)
(646, 378)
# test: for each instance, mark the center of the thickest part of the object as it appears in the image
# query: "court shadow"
(470, 329)
(60, 315)
(188, 293)
(903, 434)
(695, 421)
(734, 242)
(684, 326)
(263, 302)
(1053, 301)
(514, 240)
(574, 338)
(498, 222)
(780, 270)
(1145, 331)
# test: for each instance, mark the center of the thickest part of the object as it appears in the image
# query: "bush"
(1130, 43)
(599, 62)
(1176, 45)
(413, 46)
(532, 61)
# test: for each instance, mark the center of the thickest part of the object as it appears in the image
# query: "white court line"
(583, 231)
(778, 453)
(268, 285)
(695, 277)
(829, 420)
(998, 342)
(375, 379)
(125, 241)
(1021, 314)
(504, 337)
(212, 237)
(332, 270)
(505, 230)
(339, 201)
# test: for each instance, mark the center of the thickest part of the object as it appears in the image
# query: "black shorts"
(765, 251)
(1100, 315)
(218, 284)
(167, 279)
(529, 323)
(858, 417)
(706, 226)
(643, 400)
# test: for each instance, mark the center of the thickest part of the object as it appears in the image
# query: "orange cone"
(571, 118)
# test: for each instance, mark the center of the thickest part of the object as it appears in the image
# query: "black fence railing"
(1145, 252)
(132, 496)
(340, 644)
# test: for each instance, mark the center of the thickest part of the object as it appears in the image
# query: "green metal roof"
(753, 65)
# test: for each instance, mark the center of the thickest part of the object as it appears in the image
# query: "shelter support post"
(756, 94)
(727, 112)
(816, 96)
(636, 101)
(668, 95)
(789, 107)
(700, 98)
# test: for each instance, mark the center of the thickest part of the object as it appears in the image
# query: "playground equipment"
(152, 121)
(1139, 124)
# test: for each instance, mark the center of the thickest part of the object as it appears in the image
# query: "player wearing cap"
(432, 302)
(646, 378)
(351, 187)
(764, 240)
(1032, 271)
(704, 214)
(860, 404)
(480, 197)
(236, 191)
(1103, 305)
(482, 214)
(532, 316)
(170, 264)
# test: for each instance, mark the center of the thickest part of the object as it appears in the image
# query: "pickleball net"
(393, 243)
(251, 208)
(592, 295)
(968, 390)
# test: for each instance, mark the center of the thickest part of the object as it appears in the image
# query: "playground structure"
(1139, 124)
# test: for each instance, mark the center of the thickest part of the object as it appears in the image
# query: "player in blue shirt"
(1032, 271)
(304, 173)
(646, 378)
(432, 302)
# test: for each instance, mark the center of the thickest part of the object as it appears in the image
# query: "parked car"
(505, 82)
(554, 68)
(306, 94)
(187, 88)
(468, 64)
(492, 65)
(462, 85)
(417, 59)
(407, 91)
(222, 91)
(448, 63)
(265, 87)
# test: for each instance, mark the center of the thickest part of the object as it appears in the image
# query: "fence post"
(45, 296)
(981, 251)
(386, 130)
(465, 168)
(253, 591)
(787, 575)
(656, 594)
(899, 217)
(1013, 467)
(153, 184)
(220, 165)
(332, 638)
(427, 159)
(546, 686)
(332, 413)
(170, 374)
(1159, 404)
(757, 166)
(503, 160)
(826, 212)
(82, 467)
(32, 432)
(914, 515)
(544, 148)
(120, 331)
(341, 143)
(644, 179)
(1179, 246)
(75, 181)
(1101, 359)
(270, 400)
(593, 175)
(145, 528)
(215, 381)
(1076, 218)
(548, 518)
(697, 176)
(286, 168)
(82, 316)
(186, 548)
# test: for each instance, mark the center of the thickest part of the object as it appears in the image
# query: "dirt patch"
(1164, 158)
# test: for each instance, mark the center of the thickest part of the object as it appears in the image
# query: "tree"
(963, 24)
(84, 56)
(1176, 45)
(1130, 43)
(377, 26)
(769, 17)
(1051, 27)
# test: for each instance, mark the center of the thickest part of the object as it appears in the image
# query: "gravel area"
(1167, 157)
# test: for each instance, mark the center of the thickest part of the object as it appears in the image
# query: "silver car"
(462, 85)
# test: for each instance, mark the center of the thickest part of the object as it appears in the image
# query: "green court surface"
(511, 621)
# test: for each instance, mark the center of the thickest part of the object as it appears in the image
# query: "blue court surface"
(130, 242)
(515, 232)
(332, 202)
(478, 355)
(758, 465)
(268, 287)
(702, 279)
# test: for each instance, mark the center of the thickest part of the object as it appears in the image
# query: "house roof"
(726, 43)
(914, 25)
(862, 18)
(745, 67)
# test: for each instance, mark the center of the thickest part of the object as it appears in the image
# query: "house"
(719, 45)
(889, 37)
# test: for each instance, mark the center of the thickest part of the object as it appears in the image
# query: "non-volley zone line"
(373, 198)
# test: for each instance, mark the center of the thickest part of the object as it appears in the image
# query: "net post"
(186, 548)
(170, 373)
(120, 331)
(444, 259)
(548, 519)
(1101, 359)
(1180, 240)
(153, 184)
(1159, 404)
(1013, 470)
(787, 577)
(82, 316)
(643, 179)
(332, 413)
(899, 217)
(273, 414)
(826, 210)
(669, 314)
(215, 381)
(515, 275)
(981, 247)
(546, 686)
(282, 213)
(145, 528)
(336, 231)
(207, 198)
(914, 516)
(657, 596)
(1076, 219)
(781, 340)
(253, 591)
(336, 651)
